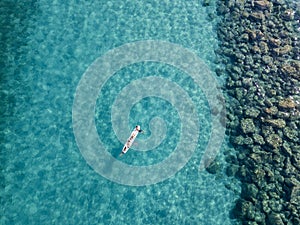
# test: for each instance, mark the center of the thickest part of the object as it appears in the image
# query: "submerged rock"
(291, 134)
(267, 130)
(239, 140)
(288, 14)
(272, 110)
(257, 16)
(244, 209)
(214, 168)
(283, 50)
(264, 4)
(287, 103)
(267, 59)
(262, 43)
(274, 42)
(291, 69)
(206, 3)
(279, 123)
(295, 196)
(256, 157)
(247, 126)
(286, 149)
(274, 140)
(274, 219)
(232, 170)
(256, 49)
(263, 47)
(251, 34)
(258, 139)
(252, 112)
(249, 191)
(248, 141)
(296, 160)
(258, 176)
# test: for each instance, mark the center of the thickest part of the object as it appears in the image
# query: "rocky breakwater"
(260, 48)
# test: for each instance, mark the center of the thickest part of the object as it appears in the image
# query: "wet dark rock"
(252, 112)
(265, 206)
(267, 130)
(263, 46)
(232, 170)
(287, 103)
(244, 209)
(256, 49)
(277, 158)
(272, 110)
(258, 139)
(292, 182)
(283, 115)
(288, 69)
(249, 192)
(295, 116)
(247, 126)
(222, 10)
(206, 3)
(243, 174)
(274, 219)
(288, 14)
(247, 82)
(258, 176)
(248, 141)
(268, 102)
(295, 221)
(251, 34)
(286, 149)
(295, 196)
(296, 160)
(274, 42)
(291, 134)
(269, 175)
(267, 59)
(264, 4)
(240, 92)
(289, 168)
(257, 16)
(274, 140)
(214, 168)
(279, 123)
(260, 36)
(278, 2)
(296, 149)
(276, 205)
(239, 57)
(230, 156)
(260, 39)
(259, 217)
(292, 69)
(245, 37)
(283, 50)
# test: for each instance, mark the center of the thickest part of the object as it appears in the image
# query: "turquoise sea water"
(47, 47)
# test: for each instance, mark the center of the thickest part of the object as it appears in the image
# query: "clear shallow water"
(48, 47)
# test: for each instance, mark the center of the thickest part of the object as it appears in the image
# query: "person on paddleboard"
(131, 139)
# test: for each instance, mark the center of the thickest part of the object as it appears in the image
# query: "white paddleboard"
(131, 139)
